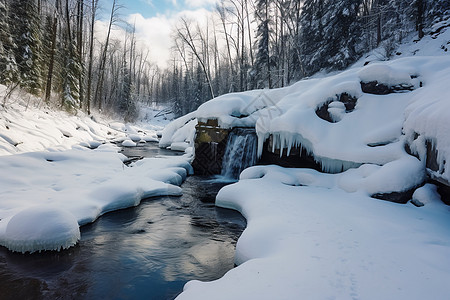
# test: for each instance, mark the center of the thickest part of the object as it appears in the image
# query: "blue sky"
(154, 22)
(152, 8)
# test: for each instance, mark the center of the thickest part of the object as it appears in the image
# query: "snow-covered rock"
(372, 132)
(129, 143)
(43, 195)
(40, 228)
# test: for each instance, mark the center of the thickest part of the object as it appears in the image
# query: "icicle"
(289, 146)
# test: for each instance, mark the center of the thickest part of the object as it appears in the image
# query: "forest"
(50, 49)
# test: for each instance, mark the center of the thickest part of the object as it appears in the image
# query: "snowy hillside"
(368, 129)
(65, 169)
(314, 235)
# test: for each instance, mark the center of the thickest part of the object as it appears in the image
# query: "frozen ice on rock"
(40, 228)
(179, 146)
(385, 74)
(135, 137)
(426, 195)
(128, 143)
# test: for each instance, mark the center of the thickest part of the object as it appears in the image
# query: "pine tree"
(312, 35)
(331, 34)
(8, 66)
(24, 20)
(70, 72)
(343, 34)
(438, 10)
(261, 72)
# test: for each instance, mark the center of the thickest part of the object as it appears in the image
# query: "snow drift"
(373, 131)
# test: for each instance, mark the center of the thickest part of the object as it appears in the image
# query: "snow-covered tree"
(262, 66)
(70, 72)
(330, 33)
(312, 34)
(8, 66)
(24, 22)
(437, 11)
(343, 34)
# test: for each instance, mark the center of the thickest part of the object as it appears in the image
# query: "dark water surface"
(145, 252)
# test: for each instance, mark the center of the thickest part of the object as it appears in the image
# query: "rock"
(298, 157)
(332, 111)
(397, 197)
(376, 88)
(210, 145)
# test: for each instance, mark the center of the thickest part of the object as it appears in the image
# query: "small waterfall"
(240, 152)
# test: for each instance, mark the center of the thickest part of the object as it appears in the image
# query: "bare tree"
(185, 34)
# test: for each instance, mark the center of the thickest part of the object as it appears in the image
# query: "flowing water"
(240, 152)
(145, 252)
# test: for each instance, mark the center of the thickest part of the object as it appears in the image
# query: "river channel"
(145, 252)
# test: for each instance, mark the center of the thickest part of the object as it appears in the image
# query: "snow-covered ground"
(313, 235)
(59, 172)
(307, 238)
(374, 131)
(310, 235)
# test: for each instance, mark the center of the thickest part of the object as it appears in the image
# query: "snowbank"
(26, 125)
(313, 235)
(74, 187)
(46, 196)
(40, 228)
(373, 130)
(307, 238)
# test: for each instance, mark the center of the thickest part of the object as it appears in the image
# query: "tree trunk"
(51, 64)
(80, 19)
(91, 57)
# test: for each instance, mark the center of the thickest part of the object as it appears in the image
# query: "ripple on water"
(149, 251)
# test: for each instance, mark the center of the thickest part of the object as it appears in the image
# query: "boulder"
(210, 145)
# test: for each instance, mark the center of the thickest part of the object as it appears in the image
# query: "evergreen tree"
(343, 34)
(438, 10)
(70, 72)
(312, 35)
(124, 98)
(261, 72)
(24, 20)
(8, 66)
(331, 34)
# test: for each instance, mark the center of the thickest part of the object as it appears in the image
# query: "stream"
(145, 252)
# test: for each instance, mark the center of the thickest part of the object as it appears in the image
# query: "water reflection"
(146, 252)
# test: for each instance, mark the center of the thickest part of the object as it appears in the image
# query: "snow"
(384, 74)
(129, 143)
(40, 228)
(314, 235)
(306, 238)
(375, 132)
(309, 235)
(180, 134)
(60, 172)
(82, 182)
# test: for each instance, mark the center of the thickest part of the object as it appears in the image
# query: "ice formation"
(374, 132)
(40, 228)
(129, 143)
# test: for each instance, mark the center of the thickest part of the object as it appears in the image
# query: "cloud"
(199, 3)
(156, 33)
(148, 2)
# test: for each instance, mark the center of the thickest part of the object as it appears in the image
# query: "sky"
(153, 8)
(154, 21)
